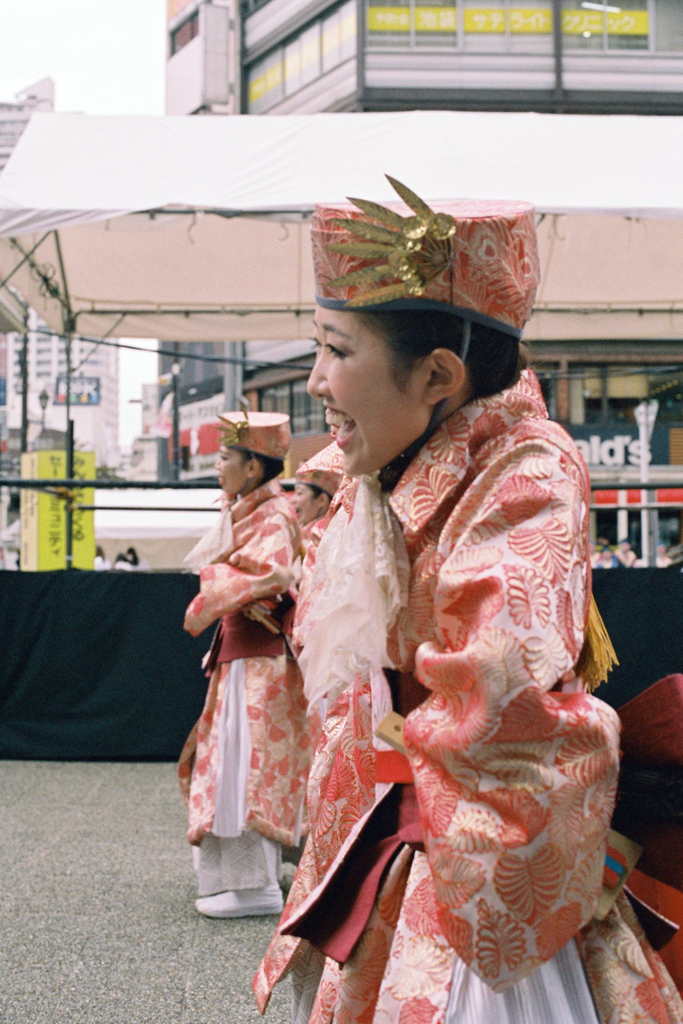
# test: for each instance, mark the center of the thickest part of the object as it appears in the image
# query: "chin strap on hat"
(466, 338)
(390, 474)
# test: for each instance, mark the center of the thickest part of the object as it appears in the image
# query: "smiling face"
(237, 473)
(309, 503)
(374, 418)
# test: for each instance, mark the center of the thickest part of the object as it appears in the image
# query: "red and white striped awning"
(668, 496)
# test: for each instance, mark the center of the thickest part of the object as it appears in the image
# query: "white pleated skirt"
(556, 993)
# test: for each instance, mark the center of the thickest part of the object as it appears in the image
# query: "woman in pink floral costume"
(244, 767)
(314, 489)
(462, 791)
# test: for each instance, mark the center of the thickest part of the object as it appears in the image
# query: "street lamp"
(43, 398)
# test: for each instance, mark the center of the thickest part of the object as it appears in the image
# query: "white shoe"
(242, 902)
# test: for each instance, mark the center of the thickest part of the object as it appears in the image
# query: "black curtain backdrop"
(96, 666)
(643, 612)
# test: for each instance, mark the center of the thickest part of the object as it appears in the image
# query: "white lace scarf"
(359, 583)
(215, 546)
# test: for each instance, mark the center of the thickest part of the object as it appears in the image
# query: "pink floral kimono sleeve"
(261, 568)
(515, 779)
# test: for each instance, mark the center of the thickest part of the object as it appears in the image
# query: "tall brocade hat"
(477, 259)
(325, 479)
(264, 433)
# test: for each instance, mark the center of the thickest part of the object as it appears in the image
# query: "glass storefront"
(600, 394)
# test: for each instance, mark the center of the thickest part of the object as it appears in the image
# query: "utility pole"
(175, 379)
(557, 54)
(233, 375)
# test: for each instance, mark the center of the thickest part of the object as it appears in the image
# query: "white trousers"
(233, 857)
(248, 861)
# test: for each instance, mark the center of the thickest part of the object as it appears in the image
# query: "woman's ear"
(446, 376)
(254, 469)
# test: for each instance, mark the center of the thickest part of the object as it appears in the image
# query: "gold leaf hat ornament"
(264, 433)
(477, 259)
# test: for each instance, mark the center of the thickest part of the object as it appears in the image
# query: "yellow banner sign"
(43, 515)
(625, 23)
(492, 21)
(436, 19)
(389, 19)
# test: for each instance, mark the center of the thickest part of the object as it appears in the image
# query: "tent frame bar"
(212, 483)
(24, 259)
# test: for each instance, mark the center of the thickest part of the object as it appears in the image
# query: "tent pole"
(69, 325)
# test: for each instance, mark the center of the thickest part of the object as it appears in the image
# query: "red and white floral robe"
(515, 776)
(266, 543)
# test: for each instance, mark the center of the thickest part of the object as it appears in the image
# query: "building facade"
(15, 116)
(94, 392)
(305, 56)
(272, 377)
(568, 56)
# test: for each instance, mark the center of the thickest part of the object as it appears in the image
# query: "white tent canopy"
(161, 538)
(194, 228)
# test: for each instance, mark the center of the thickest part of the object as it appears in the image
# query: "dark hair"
(494, 360)
(271, 467)
(314, 489)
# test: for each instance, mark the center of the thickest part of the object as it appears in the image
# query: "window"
(185, 33)
(478, 25)
(547, 378)
(601, 394)
(266, 82)
(667, 388)
(315, 50)
(302, 61)
(275, 399)
(668, 25)
(526, 26)
(619, 25)
(339, 36)
(436, 24)
(307, 414)
(389, 23)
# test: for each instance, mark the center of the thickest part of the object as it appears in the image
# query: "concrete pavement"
(97, 917)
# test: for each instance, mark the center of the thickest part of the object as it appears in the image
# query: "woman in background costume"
(447, 609)
(315, 488)
(244, 767)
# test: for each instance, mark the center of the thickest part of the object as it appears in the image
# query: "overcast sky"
(105, 57)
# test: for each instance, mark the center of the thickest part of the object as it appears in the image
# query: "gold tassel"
(598, 657)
